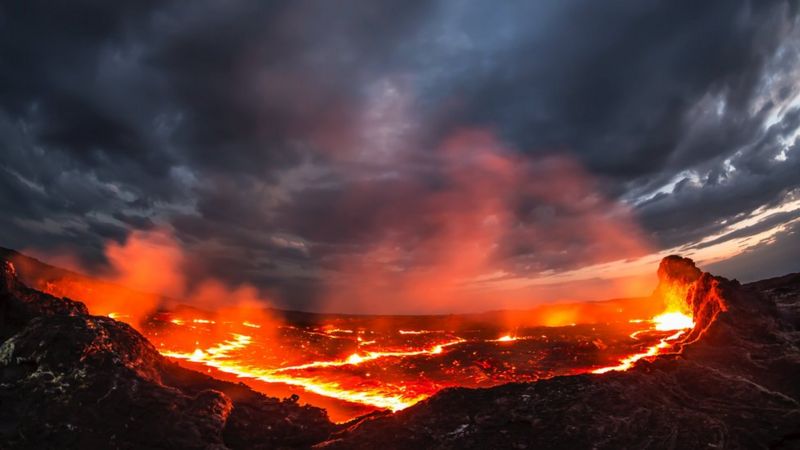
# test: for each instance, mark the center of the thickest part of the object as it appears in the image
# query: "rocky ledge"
(72, 380)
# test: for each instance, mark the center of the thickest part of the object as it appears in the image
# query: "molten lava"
(384, 369)
(223, 357)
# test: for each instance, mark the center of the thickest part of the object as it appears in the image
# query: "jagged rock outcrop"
(674, 269)
(733, 383)
(20, 304)
(72, 380)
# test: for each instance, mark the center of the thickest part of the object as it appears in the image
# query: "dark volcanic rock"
(72, 380)
(20, 304)
(733, 383)
(783, 291)
(675, 269)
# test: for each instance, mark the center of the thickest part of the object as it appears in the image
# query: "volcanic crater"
(705, 363)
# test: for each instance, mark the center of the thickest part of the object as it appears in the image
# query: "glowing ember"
(202, 321)
(337, 330)
(672, 321)
(118, 316)
(354, 359)
(506, 338)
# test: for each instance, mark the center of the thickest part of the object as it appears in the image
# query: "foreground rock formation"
(72, 380)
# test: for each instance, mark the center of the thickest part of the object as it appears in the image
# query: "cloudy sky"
(399, 156)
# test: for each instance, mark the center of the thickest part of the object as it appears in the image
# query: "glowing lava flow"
(673, 321)
(219, 358)
(357, 358)
(219, 351)
(360, 378)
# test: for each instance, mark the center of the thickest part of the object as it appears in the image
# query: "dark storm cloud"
(77, 133)
(614, 84)
(248, 126)
(697, 209)
(254, 81)
(61, 80)
(703, 207)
